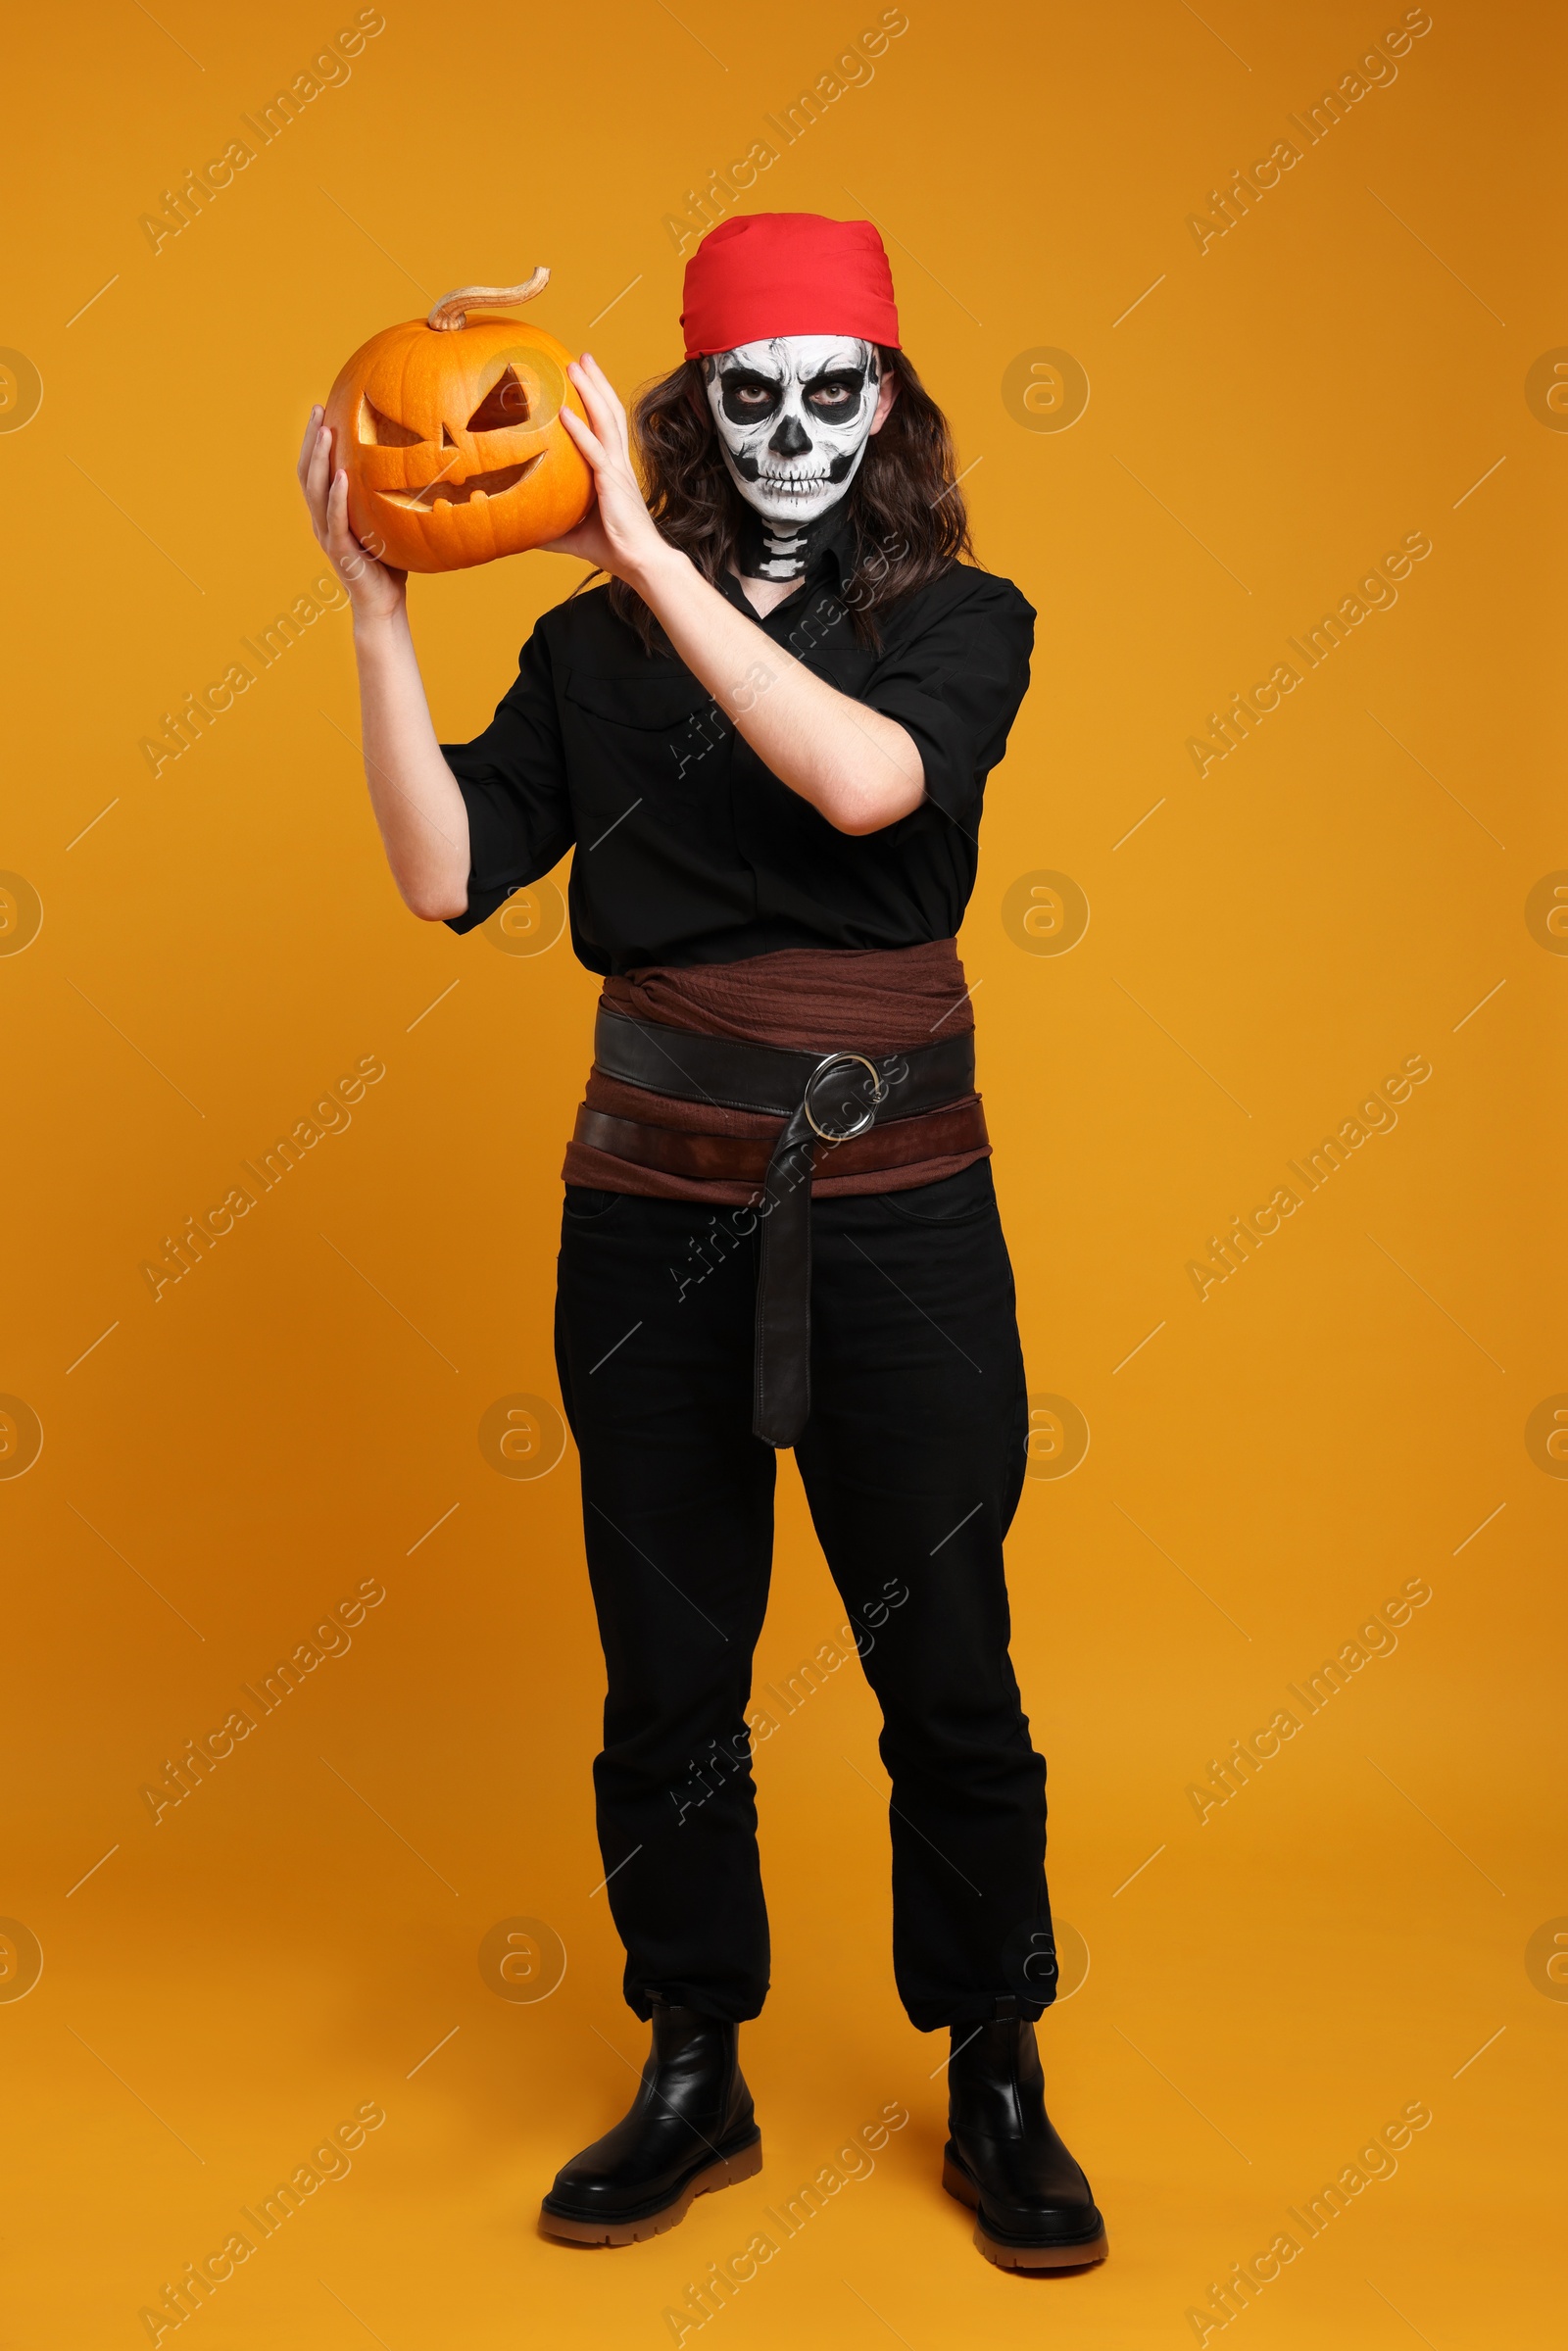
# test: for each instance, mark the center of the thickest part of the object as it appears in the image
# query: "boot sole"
(1008, 2253)
(728, 2172)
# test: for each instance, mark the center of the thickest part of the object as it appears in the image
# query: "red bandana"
(787, 274)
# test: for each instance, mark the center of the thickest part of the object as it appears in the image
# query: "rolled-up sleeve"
(514, 781)
(956, 687)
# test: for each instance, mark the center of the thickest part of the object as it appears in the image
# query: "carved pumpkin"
(451, 435)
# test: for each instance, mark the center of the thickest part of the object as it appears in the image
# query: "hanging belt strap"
(826, 1096)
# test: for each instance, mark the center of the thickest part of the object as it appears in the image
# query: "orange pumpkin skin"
(427, 492)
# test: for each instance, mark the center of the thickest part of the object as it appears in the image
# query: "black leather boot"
(691, 2128)
(1032, 2204)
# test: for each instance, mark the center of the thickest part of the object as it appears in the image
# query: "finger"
(314, 476)
(340, 542)
(584, 438)
(598, 399)
(611, 418)
(602, 380)
(319, 475)
(604, 451)
(611, 400)
(307, 444)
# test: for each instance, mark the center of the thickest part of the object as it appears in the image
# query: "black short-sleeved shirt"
(688, 848)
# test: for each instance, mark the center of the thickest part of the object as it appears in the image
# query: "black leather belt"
(827, 1096)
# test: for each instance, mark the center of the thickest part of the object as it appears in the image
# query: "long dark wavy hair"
(904, 500)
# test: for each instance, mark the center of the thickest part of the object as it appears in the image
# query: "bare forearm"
(423, 821)
(861, 770)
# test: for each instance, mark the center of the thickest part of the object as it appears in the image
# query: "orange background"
(1266, 419)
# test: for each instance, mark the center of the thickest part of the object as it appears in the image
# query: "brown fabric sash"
(739, 1158)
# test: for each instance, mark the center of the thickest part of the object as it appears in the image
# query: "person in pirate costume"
(766, 742)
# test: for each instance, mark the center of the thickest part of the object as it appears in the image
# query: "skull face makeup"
(794, 417)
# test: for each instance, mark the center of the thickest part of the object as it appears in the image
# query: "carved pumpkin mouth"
(446, 492)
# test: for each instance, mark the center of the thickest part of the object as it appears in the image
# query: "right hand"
(618, 534)
(376, 591)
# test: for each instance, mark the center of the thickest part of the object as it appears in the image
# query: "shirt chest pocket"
(649, 732)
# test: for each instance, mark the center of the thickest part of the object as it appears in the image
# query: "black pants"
(912, 1462)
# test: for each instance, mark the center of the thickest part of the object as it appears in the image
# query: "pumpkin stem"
(451, 310)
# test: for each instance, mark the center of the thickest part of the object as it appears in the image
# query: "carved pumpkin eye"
(507, 402)
(382, 432)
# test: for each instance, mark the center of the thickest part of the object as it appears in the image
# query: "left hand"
(618, 534)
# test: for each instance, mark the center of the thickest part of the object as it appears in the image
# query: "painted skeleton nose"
(791, 438)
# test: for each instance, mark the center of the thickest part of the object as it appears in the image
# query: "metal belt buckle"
(868, 1109)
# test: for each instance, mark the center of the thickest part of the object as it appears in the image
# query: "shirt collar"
(838, 551)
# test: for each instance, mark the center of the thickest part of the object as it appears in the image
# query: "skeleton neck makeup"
(794, 417)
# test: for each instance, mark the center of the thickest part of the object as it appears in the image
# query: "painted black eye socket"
(505, 403)
(835, 393)
(746, 398)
